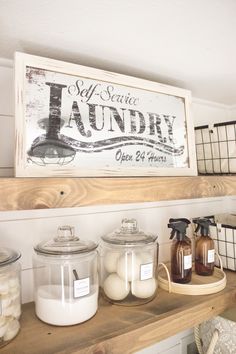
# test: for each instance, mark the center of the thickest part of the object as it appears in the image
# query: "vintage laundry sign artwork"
(78, 121)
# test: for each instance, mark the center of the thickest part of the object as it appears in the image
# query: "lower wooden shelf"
(119, 330)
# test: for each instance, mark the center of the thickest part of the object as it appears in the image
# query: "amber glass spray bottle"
(181, 251)
(204, 248)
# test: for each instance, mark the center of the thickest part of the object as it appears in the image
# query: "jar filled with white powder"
(10, 295)
(65, 279)
(128, 265)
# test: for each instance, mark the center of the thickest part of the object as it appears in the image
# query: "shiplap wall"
(22, 230)
(232, 112)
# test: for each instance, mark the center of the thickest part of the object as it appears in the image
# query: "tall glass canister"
(128, 265)
(10, 295)
(65, 279)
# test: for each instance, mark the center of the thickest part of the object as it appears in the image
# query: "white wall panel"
(205, 112)
(174, 345)
(23, 229)
(27, 285)
(232, 112)
(7, 91)
(7, 137)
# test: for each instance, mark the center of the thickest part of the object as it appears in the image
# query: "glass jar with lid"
(65, 279)
(128, 265)
(10, 295)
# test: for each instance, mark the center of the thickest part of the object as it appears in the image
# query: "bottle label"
(146, 271)
(81, 287)
(188, 262)
(211, 256)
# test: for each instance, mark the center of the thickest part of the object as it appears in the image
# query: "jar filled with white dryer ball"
(128, 265)
(10, 295)
(65, 279)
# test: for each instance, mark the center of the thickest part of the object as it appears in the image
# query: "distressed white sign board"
(73, 120)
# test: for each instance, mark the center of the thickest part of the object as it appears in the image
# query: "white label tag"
(211, 256)
(188, 261)
(81, 287)
(146, 271)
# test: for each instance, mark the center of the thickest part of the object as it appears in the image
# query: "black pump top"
(178, 227)
(203, 225)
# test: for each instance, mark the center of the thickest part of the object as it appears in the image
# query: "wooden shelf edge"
(118, 329)
(43, 193)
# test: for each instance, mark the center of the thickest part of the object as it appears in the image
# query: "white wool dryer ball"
(110, 261)
(128, 266)
(5, 301)
(3, 325)
(115, 288)
(143, 288)
(4, 285)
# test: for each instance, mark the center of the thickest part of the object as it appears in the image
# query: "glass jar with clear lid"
(10, 295)
(128, 265)
(65, 279)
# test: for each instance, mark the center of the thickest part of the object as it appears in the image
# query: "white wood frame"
(24, 169)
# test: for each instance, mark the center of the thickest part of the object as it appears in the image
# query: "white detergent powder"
(51, 308)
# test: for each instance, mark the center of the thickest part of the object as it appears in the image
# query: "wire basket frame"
(216, 148)
(224, 237)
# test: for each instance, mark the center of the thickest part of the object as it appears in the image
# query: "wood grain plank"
(118, 329)
(41, 193)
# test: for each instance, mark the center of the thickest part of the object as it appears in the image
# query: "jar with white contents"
(65, 279)
(10, 295)
(128, 265)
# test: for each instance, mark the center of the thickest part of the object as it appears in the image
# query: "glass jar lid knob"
(129, 225)
(65, 233)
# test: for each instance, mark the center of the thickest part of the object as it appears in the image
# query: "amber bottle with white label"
(181, 251)
(204, 248)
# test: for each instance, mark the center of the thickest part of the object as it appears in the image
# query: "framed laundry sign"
(73, 120)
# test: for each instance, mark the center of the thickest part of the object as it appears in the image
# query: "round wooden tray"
(199, 285)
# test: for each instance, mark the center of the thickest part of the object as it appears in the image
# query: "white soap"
(4, 285)
(128, 266)
(2, 320)
(143, 288)
(3, 325)
(16, 311)
(12, 330)
(8, 311)
(14, 282)
(5, 301)
(116, 288)
(14, 294)
(110, 261)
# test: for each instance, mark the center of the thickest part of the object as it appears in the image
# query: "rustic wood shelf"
(41, 193)
(119, 330)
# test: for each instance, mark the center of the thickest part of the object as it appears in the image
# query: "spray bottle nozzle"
(178, 227)
(203, 225)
